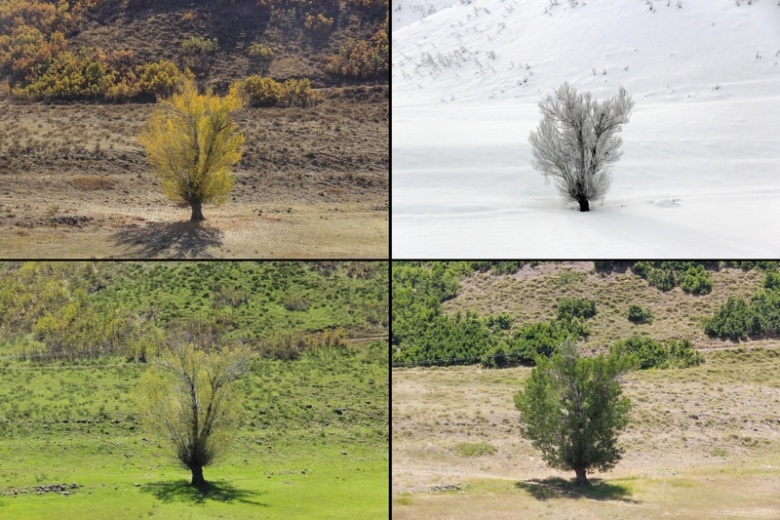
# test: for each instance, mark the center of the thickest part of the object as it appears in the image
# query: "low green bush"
(661, 279)
(576, 308)
(695, 280)
(652, 354)
(734, 320)
(637, 314)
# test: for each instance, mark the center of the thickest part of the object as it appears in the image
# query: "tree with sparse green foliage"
(192, 142)
(573, 410)
(187, 397)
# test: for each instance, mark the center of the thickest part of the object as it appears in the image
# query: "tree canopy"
(192, 142)
(575, 142)
(187, 397)
(573, 409)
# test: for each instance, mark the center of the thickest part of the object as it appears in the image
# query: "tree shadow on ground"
(556, 487)
(182, 491)
(170, 239)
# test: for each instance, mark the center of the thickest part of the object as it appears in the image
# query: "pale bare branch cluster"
(576, 142)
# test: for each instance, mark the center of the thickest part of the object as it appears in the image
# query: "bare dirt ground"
(703, 442)
(74, 183)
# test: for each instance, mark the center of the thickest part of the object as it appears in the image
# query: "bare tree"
(186, 396)
(575, 142)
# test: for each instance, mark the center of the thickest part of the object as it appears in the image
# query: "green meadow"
(313, 443)
(313, 438)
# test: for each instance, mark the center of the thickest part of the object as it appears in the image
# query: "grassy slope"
(294, 456)
(351, 295)
(338, 299)
(531, 295)
(703, 442)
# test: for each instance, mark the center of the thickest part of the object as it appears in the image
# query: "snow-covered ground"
(700, 173)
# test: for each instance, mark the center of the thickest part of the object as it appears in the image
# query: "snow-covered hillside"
(700, 174)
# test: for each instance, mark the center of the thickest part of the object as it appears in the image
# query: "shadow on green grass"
(555, 487)
(182, 491)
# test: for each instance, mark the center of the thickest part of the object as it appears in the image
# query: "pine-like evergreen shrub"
(695, 280)
(652, 354)
(735, 320)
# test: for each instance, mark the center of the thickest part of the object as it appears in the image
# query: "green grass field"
(313, 443)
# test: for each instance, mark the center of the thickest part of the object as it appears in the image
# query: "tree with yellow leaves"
(187, 397)
(192, 142)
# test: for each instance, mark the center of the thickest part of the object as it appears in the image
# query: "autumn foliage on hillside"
(38, 61)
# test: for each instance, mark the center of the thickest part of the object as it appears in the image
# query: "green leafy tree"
(187, 397)
(573, 410)
(192, 142)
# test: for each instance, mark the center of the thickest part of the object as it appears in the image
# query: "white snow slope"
(700, 173)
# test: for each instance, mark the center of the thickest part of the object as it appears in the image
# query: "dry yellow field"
(703, 442)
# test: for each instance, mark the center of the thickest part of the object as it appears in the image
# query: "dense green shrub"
(765, 305)
(576, 308)
(661, 279)
(664, 275)
(747, 265)
(532, 341)
(652, 354)
(738, 319)
(695, 280)
(734, 320)
(497, 267)
(637, 314)
(501, 322)
(772, 280)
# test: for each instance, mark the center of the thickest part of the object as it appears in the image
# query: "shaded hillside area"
(154, 30)
(137, 49)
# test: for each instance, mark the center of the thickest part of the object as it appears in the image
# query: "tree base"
(197, 479)
(584, 204)
(582, 478)
(197, 212)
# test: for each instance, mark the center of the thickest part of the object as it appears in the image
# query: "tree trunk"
(584, 205)
(197, 212)
(582, 479)
(197, 477)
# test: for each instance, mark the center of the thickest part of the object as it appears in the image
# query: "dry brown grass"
(90, 183)
(532, 294)
(320, 174)
(703, 442)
